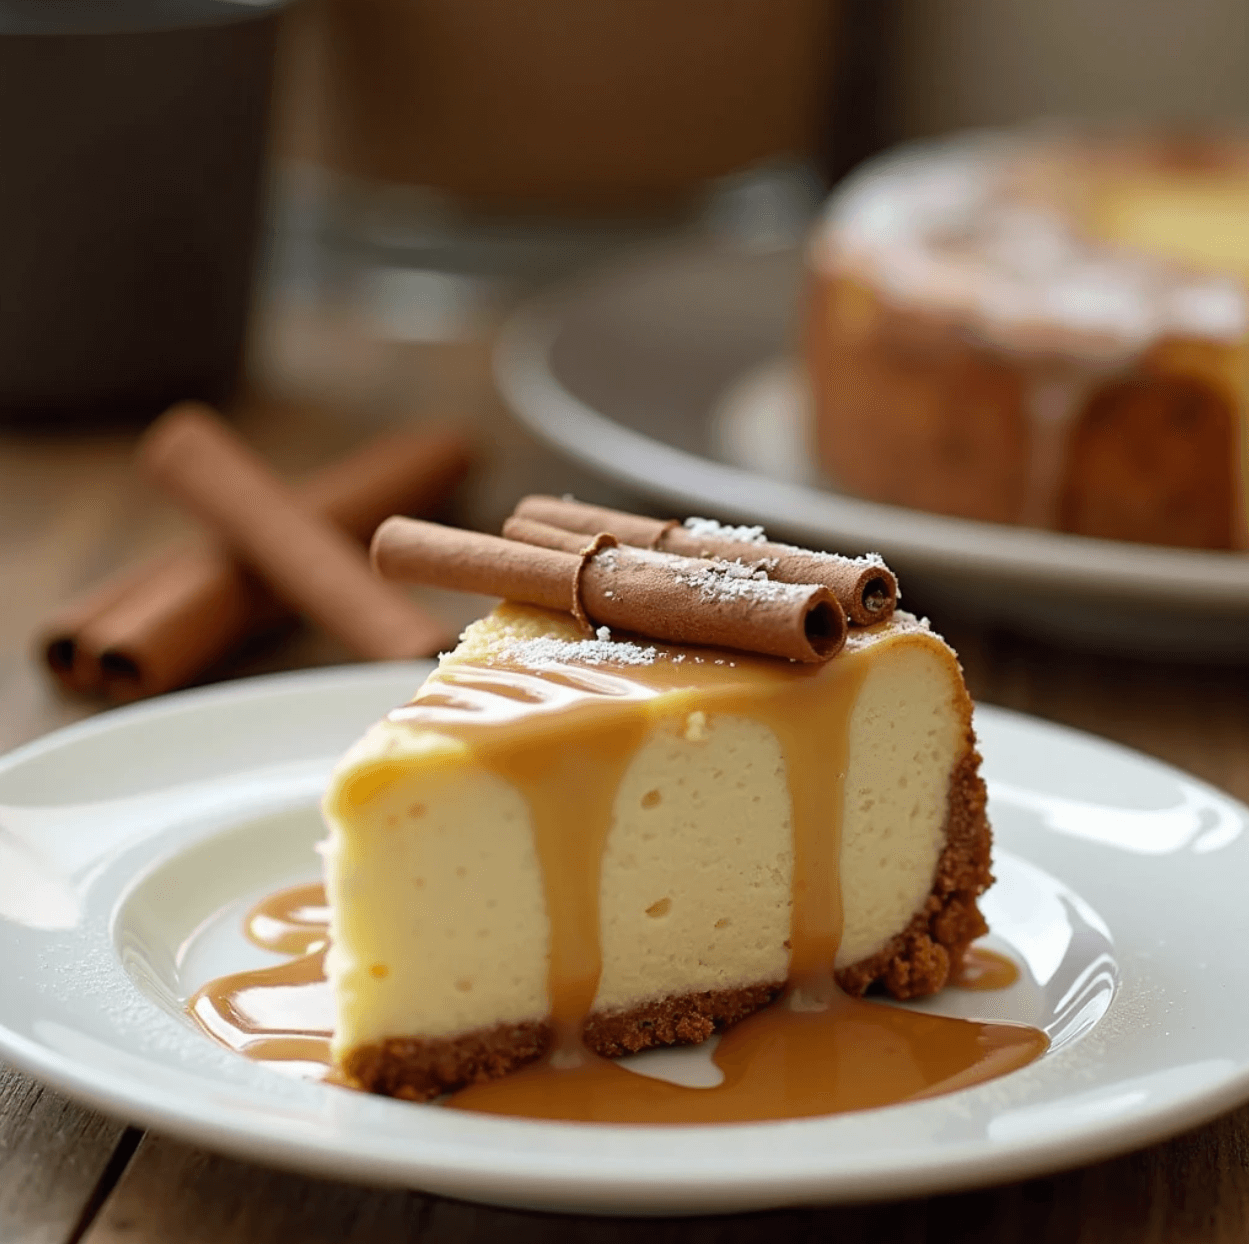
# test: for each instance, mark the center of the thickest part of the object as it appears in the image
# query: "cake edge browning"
(913, 963)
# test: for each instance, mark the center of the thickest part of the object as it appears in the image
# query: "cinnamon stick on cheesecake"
(659, 595)
(864, 586)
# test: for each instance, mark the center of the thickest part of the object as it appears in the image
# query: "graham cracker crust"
(914, 963)
(419, 1070)
(918, 960)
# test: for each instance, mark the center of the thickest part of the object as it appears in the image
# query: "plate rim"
(1053, 561)
(122, 1096)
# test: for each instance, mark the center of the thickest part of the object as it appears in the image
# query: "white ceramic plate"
(648, 373)
(1121, 891)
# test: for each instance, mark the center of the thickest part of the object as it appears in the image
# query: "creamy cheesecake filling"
(691, 867)
(439, 924)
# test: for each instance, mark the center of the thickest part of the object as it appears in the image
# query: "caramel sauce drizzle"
(813, 1052)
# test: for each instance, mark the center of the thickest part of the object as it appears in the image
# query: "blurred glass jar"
(570, 105)
(488, 135)
(133, 135)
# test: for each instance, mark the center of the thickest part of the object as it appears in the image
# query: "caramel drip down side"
(816, 1051)
(813, 724)
(564, 736)
(570, 792)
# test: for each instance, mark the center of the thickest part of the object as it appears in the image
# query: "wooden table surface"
(70, 511)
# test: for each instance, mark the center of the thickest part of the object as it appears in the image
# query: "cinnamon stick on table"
(59, 641)
(678, 599)
(310, 564)
(864, 586)
(155, 626)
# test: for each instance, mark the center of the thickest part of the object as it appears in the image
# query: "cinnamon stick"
(660, 595)
(864, 586)
(309, 564)
(155, 626)
(59, 641)
(188, 614)
(527, 531)
(395, 473)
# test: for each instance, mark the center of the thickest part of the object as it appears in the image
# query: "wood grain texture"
(1192, 1189)
(53, 1156)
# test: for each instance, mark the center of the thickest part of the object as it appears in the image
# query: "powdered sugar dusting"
(722, 580)
(942, 223)
(899, 623)
(868, 561)
(709, 529)
(715, 579)
(602, 650)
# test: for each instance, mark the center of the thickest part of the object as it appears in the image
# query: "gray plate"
(655, 373)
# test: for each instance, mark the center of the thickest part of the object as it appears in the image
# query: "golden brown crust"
(911, 414)
(419, 1070)
(675, 1021)
(916, 962)
(911, 410)
(1153, 455)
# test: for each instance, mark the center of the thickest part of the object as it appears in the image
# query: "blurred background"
(959, 281)
(666, 257)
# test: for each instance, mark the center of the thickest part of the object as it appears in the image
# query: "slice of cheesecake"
(609, 834)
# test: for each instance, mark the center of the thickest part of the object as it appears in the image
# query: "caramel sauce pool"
(813, 1052)
(282, 1015)
(984, 969)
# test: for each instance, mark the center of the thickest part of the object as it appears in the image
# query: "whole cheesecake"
(1041, 329)
(610, 831)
